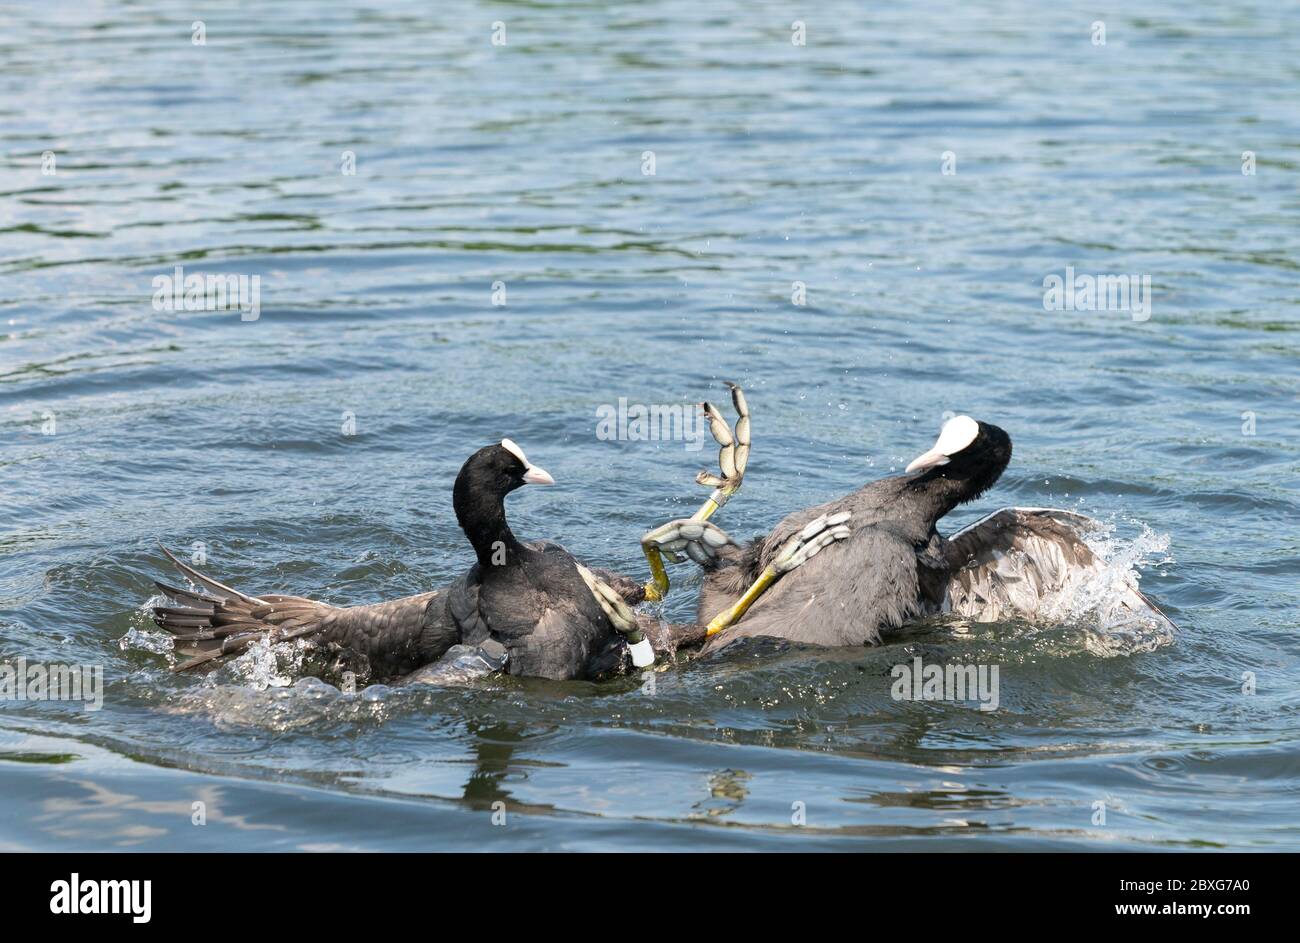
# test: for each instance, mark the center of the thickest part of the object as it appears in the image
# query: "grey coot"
(896, 567)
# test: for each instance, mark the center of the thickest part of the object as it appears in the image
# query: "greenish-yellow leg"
(693, 535)
(794, 553)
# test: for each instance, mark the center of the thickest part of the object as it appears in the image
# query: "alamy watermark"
(20, 681)
(83, 896)
(659, 422)
(196, 292)
(921, 682)
(1124, 292)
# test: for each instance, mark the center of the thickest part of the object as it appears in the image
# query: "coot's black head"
(485, 479)
(968, 453)
(497, 470)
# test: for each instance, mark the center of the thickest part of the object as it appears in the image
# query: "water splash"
(1105, 601)
(144, 635)
(260, 666)
(142, 640)
(305, 703)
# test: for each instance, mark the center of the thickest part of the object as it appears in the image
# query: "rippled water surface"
(523, 164)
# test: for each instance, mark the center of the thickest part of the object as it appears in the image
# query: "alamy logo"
(659, 422)
(1130, 293)
(195, 292)
(20, 681)
(921, 682)
(103, 897)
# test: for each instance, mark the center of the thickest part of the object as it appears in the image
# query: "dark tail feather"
(210, 627)
(220, 589)
(185, 595)
(211, 650)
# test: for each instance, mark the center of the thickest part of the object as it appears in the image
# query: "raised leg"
(622, 617)
(794, 553)
(675, 536)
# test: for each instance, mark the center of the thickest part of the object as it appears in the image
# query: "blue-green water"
(523, 164)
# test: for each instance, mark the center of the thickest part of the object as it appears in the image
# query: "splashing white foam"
(1105, 600)
(269, 665)
(144, 635)
(307, 704)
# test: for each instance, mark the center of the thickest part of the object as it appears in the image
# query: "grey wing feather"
(395, 636)
(1033, 563)
(552, 649)
(632, 591)
(463, 608)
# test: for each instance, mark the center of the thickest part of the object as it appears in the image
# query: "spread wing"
(1033, 563)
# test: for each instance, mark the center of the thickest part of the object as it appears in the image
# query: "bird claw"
(733, 451)
(815, 537)
(697, 539)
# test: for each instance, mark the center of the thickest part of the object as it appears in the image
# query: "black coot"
(528, 596)
(529, 599)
